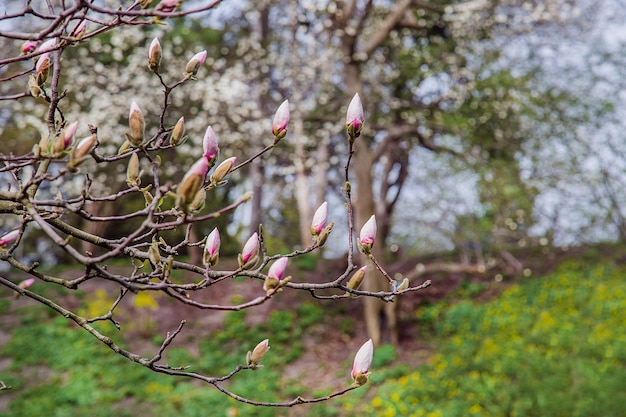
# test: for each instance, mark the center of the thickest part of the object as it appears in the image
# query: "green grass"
(552, 346)
(60, 370)
(549, 347)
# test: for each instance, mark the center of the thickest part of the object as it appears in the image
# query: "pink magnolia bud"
(354, 117)
(277, 270)
(154, 55)
(26, 283)
(191, 184)
(47, 46)
(212, 248)
(136, 124)
(42, 68)
(319, 219)
(167, 6)
(275, 275)
(9, 237)
(29, 46)
(178, 132)
(367, 235)
(65, 139)
(248, 256)
(222, 170)
(281, 119)
(362, 363)
(81, 150)
(209, 146)
(253, 358)
(195, 63)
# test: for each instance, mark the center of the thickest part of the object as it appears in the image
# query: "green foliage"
(59, 370)
(548, 347)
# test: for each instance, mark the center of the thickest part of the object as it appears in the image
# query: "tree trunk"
(257, 170)
(302, 183)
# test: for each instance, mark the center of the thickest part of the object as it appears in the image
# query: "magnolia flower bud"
(249, 254)
(362, 363)
(167, 6)
(357, 278)
(275, 274)
(154, 254)
(354, 118)
(281, 119)
(47, 46)
(403, 285)
(154, 55)
(367, 235)
(42, 68)
(29, 46)
(198, 202)
(211, 249)
(323, 236)
(132, 172)
(195, 63)
(81, 150)
(209, 146)
(222, 170)
(136, 124)
(178, 132)
(191, 184)
(65, 139)
(9, 237)
(319, 219)
(27, 283)
(253, 358)
(33, 86)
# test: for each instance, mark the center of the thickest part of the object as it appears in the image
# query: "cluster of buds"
(280, 122)
(274, 279)
(190, 191)
(253, 358)
(362, 362)
(211, 252)
(367, 235)
(319, 229)
(250, 253)
(354, 118)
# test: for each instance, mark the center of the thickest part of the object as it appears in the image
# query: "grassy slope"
(552, 346)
